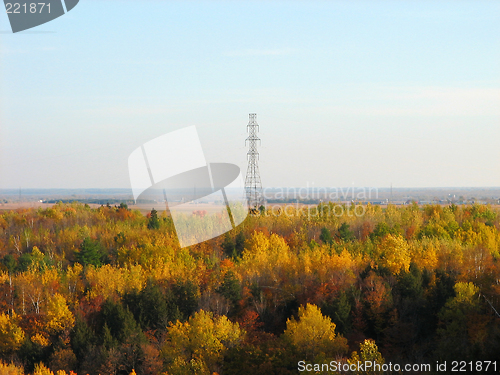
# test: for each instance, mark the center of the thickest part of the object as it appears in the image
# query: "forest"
(108, 290)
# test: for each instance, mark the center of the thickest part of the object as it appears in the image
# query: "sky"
(347, 93)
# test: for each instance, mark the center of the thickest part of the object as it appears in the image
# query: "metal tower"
(253, 186)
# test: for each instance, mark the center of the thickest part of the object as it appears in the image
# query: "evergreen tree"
(231, 288)
(149, 307)
(345, 234)
(154, 222)
(82, 338)
(326, 236)
(186, 295)
(120, 322)
(90, 253)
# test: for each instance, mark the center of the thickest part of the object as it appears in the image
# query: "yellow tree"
(40, 369)
(393, 253)
(11, 335)
(10, 369)
(314, 334)
(108, 280)
(59, 317)
(424, 253)
(266, 260)
(368, 354)
(31, 291)
(73, 282)
(198, 345)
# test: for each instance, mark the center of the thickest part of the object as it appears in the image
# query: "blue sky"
(346, 92)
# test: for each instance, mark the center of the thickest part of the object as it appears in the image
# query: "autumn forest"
(108, 290)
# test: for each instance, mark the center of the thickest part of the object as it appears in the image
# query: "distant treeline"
(294, 200)
(98, 201)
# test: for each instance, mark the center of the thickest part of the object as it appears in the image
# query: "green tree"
(345, 234)
(233, 248)
(153, 221)
(239, 244)
(462, 324)
(10, 263)
(340, 312)
(82, 338)
(123, 206)
(326, 236)
(186, 295)
(90, 253)
(381, 230)
(120, 322)
(410, 283)
(149, 307)
(230, 288)
(228, 245)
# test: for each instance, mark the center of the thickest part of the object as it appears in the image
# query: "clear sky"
(363, 93)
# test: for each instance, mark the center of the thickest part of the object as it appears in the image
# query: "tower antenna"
(253, 185)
